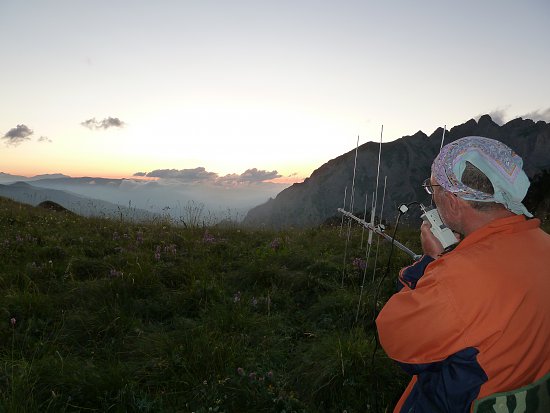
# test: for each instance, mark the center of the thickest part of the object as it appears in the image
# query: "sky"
(256, 89)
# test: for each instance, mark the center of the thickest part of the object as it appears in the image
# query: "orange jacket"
(490, 294)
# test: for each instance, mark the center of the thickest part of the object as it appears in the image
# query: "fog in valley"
(173, 193)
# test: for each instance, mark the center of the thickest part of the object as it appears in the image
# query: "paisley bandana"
(497, 161)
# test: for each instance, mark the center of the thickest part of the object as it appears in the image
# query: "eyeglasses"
(428, 186)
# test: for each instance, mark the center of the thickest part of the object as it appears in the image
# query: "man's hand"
(430, 244)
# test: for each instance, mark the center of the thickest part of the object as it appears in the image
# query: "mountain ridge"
(405, 163)
(26, 193)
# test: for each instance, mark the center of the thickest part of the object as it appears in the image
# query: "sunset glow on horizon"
(107, 89)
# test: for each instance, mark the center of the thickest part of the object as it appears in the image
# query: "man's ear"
(455, 206)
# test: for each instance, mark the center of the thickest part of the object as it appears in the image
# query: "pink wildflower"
(359, 264)
(275, 244)
(208, 238)
(172, 249)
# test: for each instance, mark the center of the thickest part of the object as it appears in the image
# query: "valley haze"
(164, 192)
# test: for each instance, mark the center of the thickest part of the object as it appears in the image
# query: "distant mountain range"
(181, 200)
(405, 163)
(7, 178)
(28, 194)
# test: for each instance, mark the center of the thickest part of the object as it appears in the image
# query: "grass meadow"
(100, 315)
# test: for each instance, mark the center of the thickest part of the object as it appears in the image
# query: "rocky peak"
(405, 162)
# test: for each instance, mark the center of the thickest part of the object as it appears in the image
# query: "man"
(474, 321)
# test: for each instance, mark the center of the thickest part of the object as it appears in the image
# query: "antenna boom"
(379, 231)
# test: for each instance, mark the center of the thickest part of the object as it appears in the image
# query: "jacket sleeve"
(421, 325)
(410, 275)
(446, 386)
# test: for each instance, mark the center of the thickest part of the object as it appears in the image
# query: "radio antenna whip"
(378, 241)
(367, 258)
(351, 209)
(364, 218)
(383, 197)
(443, 137)
(372, 214)
(344, 207)
(353, 179)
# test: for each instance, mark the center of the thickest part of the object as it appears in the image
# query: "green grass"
(113, 316)
(101, 315)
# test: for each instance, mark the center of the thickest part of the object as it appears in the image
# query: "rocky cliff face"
(405, 163)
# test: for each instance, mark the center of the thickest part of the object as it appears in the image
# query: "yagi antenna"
(379, 231)
(370, 225)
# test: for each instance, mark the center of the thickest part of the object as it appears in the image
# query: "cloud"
(195, 175)
(44, 139)
(201, 175)
(90, 123)
(499, 115)
(17, 135)
(103, 124)
(540, 114)
(250, 176)
(255, 175)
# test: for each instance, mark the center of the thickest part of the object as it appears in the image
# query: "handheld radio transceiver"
(438, 228)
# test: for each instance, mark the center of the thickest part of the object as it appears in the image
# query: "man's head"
(484, 172)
